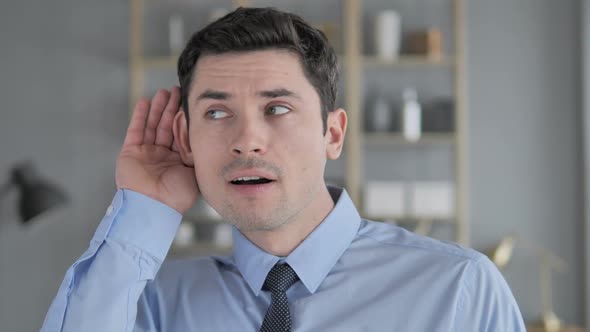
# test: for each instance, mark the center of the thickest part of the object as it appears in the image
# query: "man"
(258, 89)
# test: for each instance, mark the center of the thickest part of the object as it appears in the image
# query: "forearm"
(101, 290)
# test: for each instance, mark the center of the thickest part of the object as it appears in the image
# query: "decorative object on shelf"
(384, 199)
(432, 199)
(37, 195)
(388, 34)
(379, 118)
(176, 34)
(438, 115)
(411, 115)
(426, 42)
(501, 256)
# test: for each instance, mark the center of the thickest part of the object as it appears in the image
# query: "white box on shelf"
(384, 199)
(432, 199)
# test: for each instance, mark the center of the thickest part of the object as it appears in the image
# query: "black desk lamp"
(36, 194)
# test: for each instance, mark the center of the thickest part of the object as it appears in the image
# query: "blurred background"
(468, 123)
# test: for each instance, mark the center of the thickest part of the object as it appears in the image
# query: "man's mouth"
(250, 180)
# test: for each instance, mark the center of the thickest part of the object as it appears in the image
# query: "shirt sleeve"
(486, 303)
(100, 291)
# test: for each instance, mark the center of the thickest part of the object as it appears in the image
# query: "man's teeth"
(248, 178)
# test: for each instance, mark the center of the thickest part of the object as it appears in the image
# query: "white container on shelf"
(387, 34)
(432, 199)
(384, 199)
(176, 34)
(412, 116)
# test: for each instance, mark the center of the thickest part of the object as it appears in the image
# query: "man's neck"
(283, 240)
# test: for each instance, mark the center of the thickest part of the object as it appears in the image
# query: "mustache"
(247, 163)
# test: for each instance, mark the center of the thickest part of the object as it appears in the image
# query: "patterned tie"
(278, 280)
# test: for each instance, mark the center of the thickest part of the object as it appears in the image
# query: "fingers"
(156, 109)
(164, 136)
(136, 129)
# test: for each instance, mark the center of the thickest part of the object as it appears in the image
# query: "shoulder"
(484, 301)
(398, 253)
(397, 240)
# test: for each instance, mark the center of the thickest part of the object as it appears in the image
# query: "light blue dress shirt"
(355, 275)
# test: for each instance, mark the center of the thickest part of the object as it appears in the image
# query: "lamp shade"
(36, 194)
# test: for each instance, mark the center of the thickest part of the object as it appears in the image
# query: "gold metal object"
(501, 256)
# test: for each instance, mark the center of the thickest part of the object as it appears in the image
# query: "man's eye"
(278, 110)
(216, 114)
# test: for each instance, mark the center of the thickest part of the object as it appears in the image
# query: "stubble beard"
(267, 218)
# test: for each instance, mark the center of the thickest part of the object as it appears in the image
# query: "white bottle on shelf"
(412, 116)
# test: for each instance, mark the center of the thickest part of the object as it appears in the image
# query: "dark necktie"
(278, 280)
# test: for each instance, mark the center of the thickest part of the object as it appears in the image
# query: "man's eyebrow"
(280, 92)
(274, 93)
(212, 94)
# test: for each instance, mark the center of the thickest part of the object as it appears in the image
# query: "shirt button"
(109, 210)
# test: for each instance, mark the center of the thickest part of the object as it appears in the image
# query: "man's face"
(256, 138)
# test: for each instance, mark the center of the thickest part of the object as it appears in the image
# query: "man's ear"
(335, 131)
(181, 139)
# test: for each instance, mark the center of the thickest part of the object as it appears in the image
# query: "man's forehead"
(260, 72)
(263, 62)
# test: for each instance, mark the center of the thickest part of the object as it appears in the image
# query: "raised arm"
(101, 289)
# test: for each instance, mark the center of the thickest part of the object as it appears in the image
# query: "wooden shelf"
(389, 138)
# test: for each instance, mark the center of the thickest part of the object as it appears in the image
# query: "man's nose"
(251, 138)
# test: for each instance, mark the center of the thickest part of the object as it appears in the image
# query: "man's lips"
(249, 175)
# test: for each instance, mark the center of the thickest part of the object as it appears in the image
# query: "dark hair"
(250, 29)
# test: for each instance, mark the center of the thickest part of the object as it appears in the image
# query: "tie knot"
(280, 278)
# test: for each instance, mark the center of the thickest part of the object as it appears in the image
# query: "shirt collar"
(313, 259)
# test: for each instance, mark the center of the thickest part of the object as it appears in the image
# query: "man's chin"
(256, 223)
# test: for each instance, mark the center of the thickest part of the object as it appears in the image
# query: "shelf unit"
(354, 63)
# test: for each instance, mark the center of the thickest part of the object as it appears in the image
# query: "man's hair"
(251, 29)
